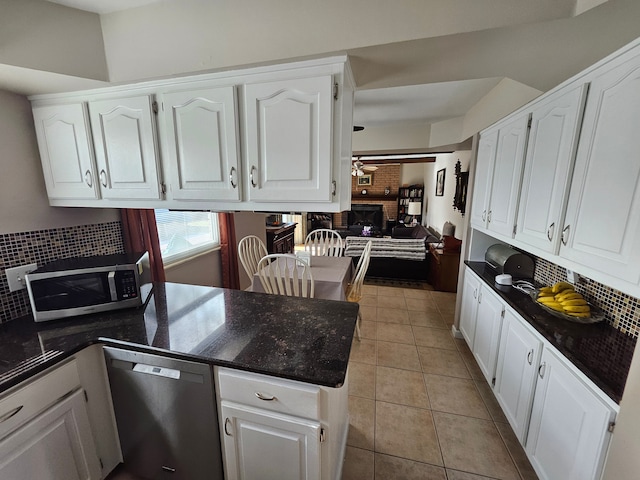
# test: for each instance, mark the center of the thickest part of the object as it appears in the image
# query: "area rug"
(395, 282)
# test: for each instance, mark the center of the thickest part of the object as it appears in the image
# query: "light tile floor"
(419, 405)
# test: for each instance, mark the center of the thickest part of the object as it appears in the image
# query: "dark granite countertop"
(598, 350)
(308, 340)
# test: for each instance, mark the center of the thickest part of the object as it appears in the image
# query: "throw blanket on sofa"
(400, 248)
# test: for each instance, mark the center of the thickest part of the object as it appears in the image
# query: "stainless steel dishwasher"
(166, 415)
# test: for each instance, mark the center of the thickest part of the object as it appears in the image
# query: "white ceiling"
(103, 6)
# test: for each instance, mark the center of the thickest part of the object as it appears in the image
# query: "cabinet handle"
(475, 293)
(103, 178)
(550, 231)
(10, 414)
(231, 175)
(489, 216)
(542, 369)
(484, 215)
(565, 231)
(87, 178)
(253, 183)
(226, 422)
(480, 297)
(530, 357)
(265, 397)
(333, 188)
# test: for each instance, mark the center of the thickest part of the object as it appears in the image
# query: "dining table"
(331, 276)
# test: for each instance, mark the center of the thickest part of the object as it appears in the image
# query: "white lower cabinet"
(518, 360)
(267, 445)
(569, 429)
(45, 432)
(56, 445)
(469, 306)
(277, 429)
(488, 322)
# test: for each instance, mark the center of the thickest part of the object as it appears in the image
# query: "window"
(184, 234)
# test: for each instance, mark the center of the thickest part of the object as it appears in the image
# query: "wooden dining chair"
(250, 250)
(324, 242)
(284, 274)
(354, 290)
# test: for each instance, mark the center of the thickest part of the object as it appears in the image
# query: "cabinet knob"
(253, 183)
(231, 176)
(88, 179)
(550, 231)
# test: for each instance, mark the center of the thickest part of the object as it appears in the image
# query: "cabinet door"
(483, 175)
(507, 176)
(518, 360)
(288, 128)
(269, 446)
(124, 138)
(487, 336)
(555, 127)
(469, 306)
(57, 445)
(602, 226)
(568, 434)
(65, 151)
(202, 144)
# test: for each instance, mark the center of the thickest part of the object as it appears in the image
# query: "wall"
(248, 223)
(440, 209)
(385, 176)
(204, 269)
(414, 138)
(50, 37)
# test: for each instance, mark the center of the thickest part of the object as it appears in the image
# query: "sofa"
(402, 256)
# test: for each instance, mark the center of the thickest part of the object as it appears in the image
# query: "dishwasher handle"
(148, 369)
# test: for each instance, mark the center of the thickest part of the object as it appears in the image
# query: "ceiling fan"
(358, 168)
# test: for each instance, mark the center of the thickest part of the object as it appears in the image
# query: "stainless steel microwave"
(77, 286)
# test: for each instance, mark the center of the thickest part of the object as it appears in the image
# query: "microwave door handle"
(112, 286)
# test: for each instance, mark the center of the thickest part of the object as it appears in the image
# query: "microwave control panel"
(126, 284)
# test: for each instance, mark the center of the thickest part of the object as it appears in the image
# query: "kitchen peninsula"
(303, 345)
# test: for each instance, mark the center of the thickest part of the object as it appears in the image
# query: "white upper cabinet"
(602, 226)
(66, 151)
(124, 137)
(288, 129)
(498, 176)
(483, 176)
(507, 176)
(202, 144)
(555, 127)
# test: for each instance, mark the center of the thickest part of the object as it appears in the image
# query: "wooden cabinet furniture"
(602, 225)
(280, 239)
(175, 143)
(518, 359)
(561, 418)
(288, 136)
(66, 151)
(412, 193)
(124, 135)
(500, 162)
(555, 128)
(571, 424)
(276, 428)
(46, 432)
(443, 269)
(202, 144)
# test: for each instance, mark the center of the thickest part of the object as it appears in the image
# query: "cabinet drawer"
(26, 402)
(278, 395)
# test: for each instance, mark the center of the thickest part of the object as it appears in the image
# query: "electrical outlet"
(572, 276)
(15, 276)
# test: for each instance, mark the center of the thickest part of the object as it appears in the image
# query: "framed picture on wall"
(440, 182)
(364, 180)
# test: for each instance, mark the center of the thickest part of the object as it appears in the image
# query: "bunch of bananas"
(563, 298)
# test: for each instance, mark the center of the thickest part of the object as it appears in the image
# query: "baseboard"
(455, 332)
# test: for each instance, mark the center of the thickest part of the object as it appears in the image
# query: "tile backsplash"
(622, 310)
(44, 246)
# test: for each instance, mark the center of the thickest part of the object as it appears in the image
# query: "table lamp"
(415, 208)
